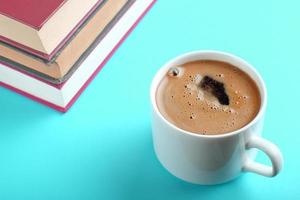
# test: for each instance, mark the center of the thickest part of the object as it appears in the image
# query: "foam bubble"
(220, 75)
(198, 79)
(175, 71)
(191, 87)
(200, 95)
(214, 104)
(228, 110)
(192, 116)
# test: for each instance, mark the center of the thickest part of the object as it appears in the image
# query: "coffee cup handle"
(272, 152)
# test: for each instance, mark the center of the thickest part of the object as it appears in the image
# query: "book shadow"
(17, 111)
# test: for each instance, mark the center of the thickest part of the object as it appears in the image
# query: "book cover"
(33, 13)
(62, 97)
(76, 49)
(42, 27)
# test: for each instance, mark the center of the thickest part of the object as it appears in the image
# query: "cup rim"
(260, 83)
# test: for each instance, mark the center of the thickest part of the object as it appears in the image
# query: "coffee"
(208, 97)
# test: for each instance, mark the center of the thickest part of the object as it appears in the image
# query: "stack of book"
(50, 50)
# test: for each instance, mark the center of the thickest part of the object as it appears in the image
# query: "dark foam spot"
(216, 88)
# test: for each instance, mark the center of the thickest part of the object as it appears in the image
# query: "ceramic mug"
(212, 159)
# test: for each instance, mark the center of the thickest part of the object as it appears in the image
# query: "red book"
(25, 11)
(41, 27)
(62, 97)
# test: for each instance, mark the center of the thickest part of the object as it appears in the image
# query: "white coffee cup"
(212, 159)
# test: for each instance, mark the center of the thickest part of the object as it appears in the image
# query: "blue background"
(102, 148)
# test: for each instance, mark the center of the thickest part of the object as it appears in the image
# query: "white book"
(63, 96)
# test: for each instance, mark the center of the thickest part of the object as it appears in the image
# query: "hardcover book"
(41, 27)
(75, 50)
(62, 97)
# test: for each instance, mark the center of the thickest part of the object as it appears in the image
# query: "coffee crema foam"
(183, 102)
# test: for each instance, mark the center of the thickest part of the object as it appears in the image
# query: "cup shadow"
(150, 180)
